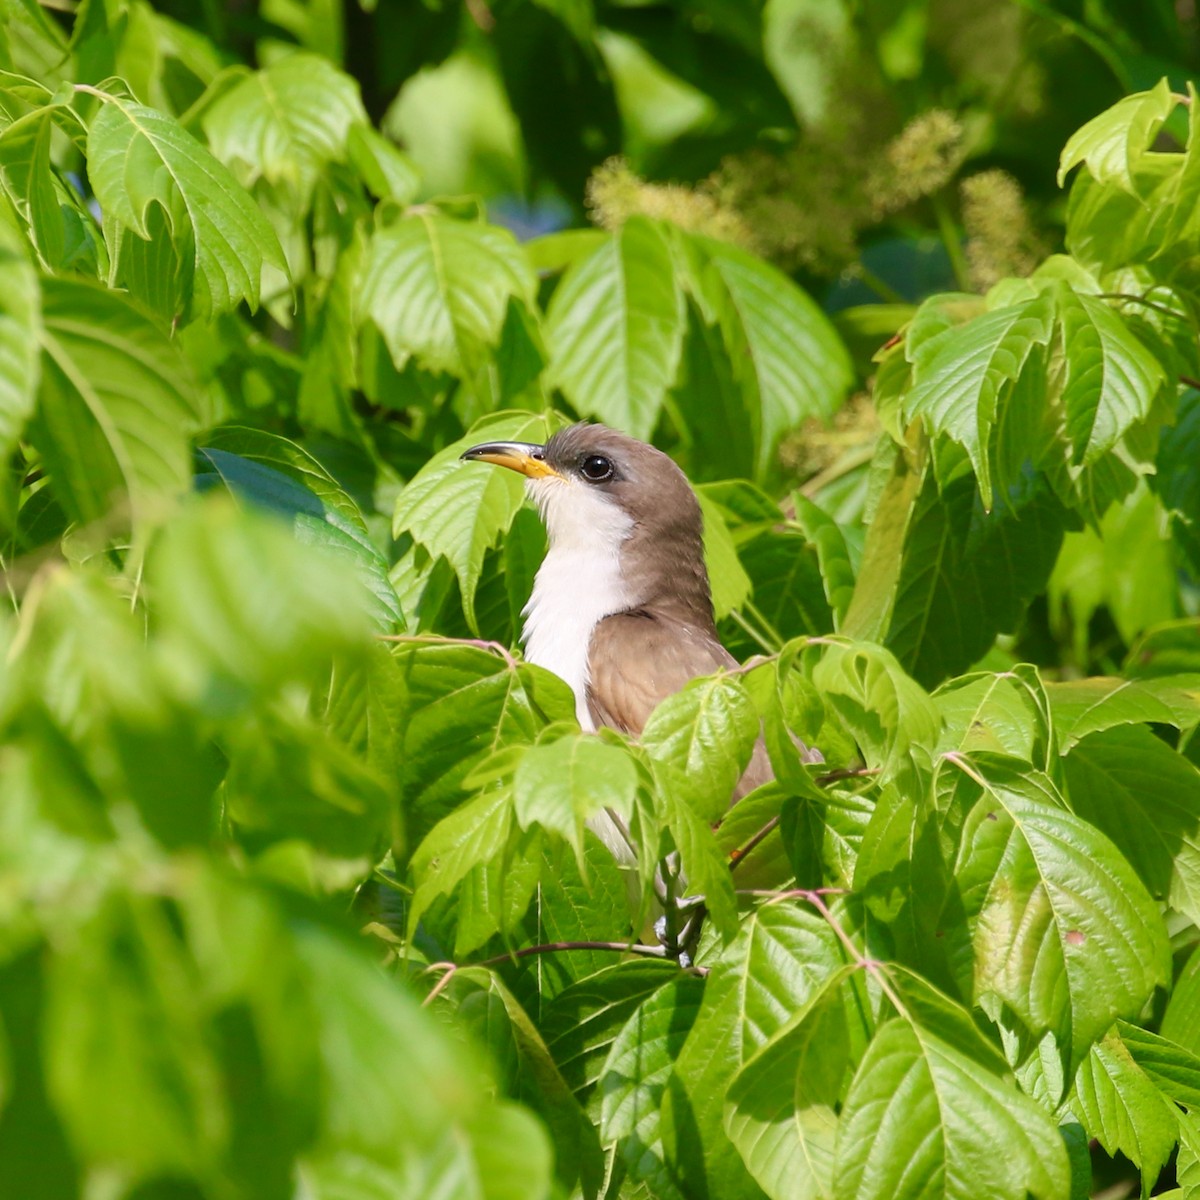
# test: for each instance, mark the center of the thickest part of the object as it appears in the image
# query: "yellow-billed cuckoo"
(621, 607)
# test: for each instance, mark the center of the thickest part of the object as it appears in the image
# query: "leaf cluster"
(308, 879)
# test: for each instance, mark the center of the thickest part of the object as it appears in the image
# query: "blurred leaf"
(615, 328)
(118, 401)
(20, 319)
(386, 170)
(138, 158)
(283, 478)
(241, 605)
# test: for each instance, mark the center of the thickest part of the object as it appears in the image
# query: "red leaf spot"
(1075, 938)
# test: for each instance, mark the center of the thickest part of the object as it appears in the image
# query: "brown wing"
(657, 657)
(637, 660)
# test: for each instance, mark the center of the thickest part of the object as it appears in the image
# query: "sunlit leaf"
(438, 289)
(1030, 872)
(138, 157)
(615, 328)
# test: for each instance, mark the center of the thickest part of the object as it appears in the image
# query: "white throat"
(579, 582)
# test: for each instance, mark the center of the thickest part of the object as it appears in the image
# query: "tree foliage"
(299, 889)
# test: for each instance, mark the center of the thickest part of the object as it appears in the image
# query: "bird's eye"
(596, 468)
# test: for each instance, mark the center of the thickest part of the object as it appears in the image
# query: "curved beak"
(527, 458)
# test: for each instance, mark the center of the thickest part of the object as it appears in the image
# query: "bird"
(621, 607)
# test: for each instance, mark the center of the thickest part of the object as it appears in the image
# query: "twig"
(871, 965)
(846, 773)
(560, 947)
(738, 856)
(433, 639)
(1134, 298)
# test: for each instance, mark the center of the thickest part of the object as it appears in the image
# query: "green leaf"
(30, 181)
(461, 704)
(636, 1075)
(138, 158)
(615, 329)
(458, 510)
(780, 1111)
(789, 592)
(787, 357)
(833, 556)
(1112, 145)
(885, 710)
(580, 906)
(1030, 873)
(438, 289)
(470, 836)
(285, 122)
(560, 786)
(1181, 1021)
(1085, 706)
(241, 605)
(704, 867)
(280, 476)
(1172, 1069)
(964, 378)
(924, 1118)
(1112, 379)
(780, 959)
(940, 577)
(386, 170)
(1146, 797)
(20, 333)
(706, 732)
(582, 1022)
(1121, 1108)
(1125, 565)
(493, 1014)
(1005, 713)
(731, 586)
(118, 401)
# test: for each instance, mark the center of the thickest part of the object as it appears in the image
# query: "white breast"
(579, 582)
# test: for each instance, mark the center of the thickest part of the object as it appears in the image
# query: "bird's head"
(607, 493)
